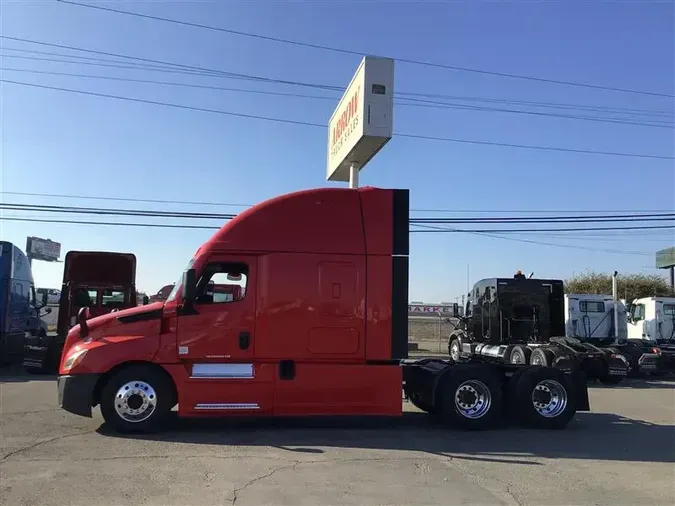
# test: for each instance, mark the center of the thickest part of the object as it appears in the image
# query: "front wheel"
(454, 350)
(137, 399)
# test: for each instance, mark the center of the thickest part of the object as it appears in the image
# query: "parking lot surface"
(622, 453)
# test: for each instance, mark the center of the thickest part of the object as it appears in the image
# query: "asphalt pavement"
(622, 453)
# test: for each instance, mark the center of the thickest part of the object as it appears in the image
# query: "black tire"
(520, 355)
(454, 346)
(541, 357)
(144, 384)
(542, 412)
(461, 391)
(421, 405)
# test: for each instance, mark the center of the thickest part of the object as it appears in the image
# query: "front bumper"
(76, 393)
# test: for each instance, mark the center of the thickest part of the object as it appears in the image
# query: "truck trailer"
(521, 320)
(318, 326)
(102, 281)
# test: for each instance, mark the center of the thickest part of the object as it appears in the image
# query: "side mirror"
(455, 310)
(189, 286)
(146, 300)
(47, 311)
(82, 316)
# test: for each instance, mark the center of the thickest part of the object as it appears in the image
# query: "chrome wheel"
(473, 399)
(549, 398)
(135, 401)
(536, 359)
(454, 350)
(517, 358)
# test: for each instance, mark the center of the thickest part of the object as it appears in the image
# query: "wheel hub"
(454, 351)
(473, 399)
(135, 401)
(549, 398)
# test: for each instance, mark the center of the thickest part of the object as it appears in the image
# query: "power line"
(554, 219)
(125, 199)
(115, 212)
(518, 230)
(306, 123)
(416, 103)
(230, 204)
(172, 67)
(360, 53)
(200, 227)
(530, 241)
(415, 221)
(111, 223)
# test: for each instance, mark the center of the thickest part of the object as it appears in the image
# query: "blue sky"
(61, 143)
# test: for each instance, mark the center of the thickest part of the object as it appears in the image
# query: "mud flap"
(579, 380)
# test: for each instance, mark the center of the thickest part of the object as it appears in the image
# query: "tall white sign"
(363, 121)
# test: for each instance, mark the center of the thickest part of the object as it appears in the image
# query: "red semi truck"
(318, 326)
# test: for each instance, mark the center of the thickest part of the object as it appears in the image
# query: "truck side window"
(17, 292)
(221, 283)
(588, 306)
(113, 298)
(639, 312)
(669, 309)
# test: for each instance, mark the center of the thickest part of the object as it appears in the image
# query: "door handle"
(286, 369)
(244, 340)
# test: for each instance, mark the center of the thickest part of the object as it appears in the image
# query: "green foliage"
(630, 286)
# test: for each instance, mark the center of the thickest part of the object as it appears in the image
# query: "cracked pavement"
(622, 453)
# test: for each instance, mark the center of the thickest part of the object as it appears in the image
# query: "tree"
(630, 286)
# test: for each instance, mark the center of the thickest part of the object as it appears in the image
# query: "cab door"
(221, 324)
(215, 341)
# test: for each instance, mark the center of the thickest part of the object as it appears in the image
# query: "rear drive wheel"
(519, 355)
(471, 397)
(543, 398)
(454, 349)
(542, 357)
(137, 399)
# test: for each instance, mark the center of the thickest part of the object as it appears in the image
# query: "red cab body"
(300, 308)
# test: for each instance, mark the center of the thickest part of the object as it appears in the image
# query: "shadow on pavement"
(16, 373)
(595, 436)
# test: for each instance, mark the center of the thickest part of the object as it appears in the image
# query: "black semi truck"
(521, 320)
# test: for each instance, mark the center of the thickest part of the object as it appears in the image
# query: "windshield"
(172, 295)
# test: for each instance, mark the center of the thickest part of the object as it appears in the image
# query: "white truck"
(651, 326)
(645, 333)
(591, 316)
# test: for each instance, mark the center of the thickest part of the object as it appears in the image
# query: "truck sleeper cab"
(297, 306)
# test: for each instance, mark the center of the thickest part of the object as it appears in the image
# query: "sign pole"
(353, 176)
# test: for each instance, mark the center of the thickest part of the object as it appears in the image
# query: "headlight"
(74, 359)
